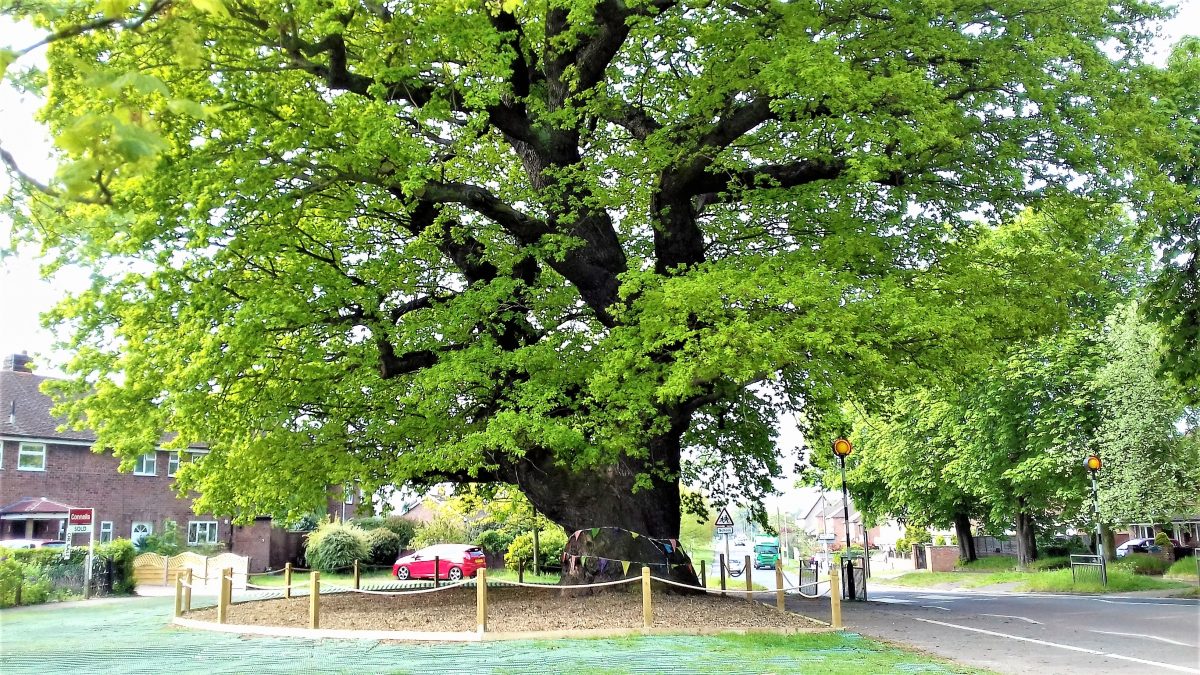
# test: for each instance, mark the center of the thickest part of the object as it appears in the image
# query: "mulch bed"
(511, 610)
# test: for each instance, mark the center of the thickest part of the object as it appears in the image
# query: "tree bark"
(1026, 541)
(1110, 546)
(966, 540)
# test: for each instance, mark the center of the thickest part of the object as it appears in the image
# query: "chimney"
(18, 363)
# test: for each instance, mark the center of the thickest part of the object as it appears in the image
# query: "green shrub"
(495, 541)
(912, 536)
(12, 573)
(1144, 563)
(402, 527)
(939, 541)
(383, 546)
(335, 546)
(121, 552)
(166, 542)
(1161, 539)
(439, 531)
(550, 544)
(368, 523)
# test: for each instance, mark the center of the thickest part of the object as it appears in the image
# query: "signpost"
(78, 522)
(725, 528)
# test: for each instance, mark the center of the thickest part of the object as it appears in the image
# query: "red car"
(455, 561)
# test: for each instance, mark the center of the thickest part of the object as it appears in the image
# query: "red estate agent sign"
(80, 517)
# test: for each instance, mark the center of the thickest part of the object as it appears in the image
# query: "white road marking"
(1148, 637)
(1085, 650)
(940, 597)
(944, 609)
(1157, 604)
(892, 601)
(1010, 616)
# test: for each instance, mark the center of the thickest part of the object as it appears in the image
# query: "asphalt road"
(1030, 633)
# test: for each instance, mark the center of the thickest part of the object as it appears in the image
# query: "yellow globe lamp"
(841, 447)
(1093, 463)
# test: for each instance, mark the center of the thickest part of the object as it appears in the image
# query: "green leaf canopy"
(590, 248)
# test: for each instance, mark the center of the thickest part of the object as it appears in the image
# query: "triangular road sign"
(724, 520)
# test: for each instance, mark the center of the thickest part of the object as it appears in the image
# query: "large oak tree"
(587, 248)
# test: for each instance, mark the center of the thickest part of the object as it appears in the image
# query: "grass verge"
(1051, 581)
(1185, 568)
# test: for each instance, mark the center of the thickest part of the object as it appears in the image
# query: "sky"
(24, 295)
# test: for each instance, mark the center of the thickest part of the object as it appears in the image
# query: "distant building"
(44, 471)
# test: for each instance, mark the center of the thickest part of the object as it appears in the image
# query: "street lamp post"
(842, 448)
(1093, 465)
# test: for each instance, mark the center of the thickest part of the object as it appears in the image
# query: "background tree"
(552, 245)
(1151, 468)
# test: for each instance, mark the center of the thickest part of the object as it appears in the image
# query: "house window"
(202, 532)
(172, 463)
(106, 530)
(147, 465)
(31, 457)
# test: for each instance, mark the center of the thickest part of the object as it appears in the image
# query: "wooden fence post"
(647, 611)
(749, 583)
(835, 597)
(314, 600)
(703, 576)
(187, 592)
(287, 581)
(178, 596)
(779, 584)
(356, 576)
(481, 600)
(227, 589)
(521, 572)
(223, 600)
(722, 572)
(437, 570)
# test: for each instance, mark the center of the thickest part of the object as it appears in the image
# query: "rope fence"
(185, 582)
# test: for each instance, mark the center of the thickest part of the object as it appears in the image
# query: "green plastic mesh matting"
(134, 636)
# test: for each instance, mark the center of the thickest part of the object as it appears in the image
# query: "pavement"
(1030, 632)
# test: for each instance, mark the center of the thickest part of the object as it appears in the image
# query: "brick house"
(44, 470)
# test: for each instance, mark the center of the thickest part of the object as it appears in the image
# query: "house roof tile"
(26, 410)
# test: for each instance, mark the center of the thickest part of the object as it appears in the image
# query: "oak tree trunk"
(1026, 541)
(966, 541)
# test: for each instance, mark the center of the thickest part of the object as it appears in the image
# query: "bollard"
(227, 589)
(187, 593)
(779, 584)
(703, 576)
(481, 600)
(356, 575)
(314, 600)
(722, 572)
(178, 596)
(222, 600)
(521, 572)
(647, 612)
(835, 597)
(749, 584)
(437, 570)
(287, 581)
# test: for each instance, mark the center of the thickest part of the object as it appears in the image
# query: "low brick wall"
(941, 558)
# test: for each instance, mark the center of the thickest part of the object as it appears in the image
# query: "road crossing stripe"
(1010, 616)
(1085, 650)
(1148, 637)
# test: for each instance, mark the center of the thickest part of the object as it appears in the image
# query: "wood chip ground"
(510, 609)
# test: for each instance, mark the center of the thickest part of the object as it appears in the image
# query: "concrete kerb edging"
(473, 636)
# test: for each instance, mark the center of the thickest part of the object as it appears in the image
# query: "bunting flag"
(571, 569)
(691, 570)
(674, 543)
(634, 535)
(625, 567)
(595, 532)
(668, 547)
(577, 533)
(602, 564)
